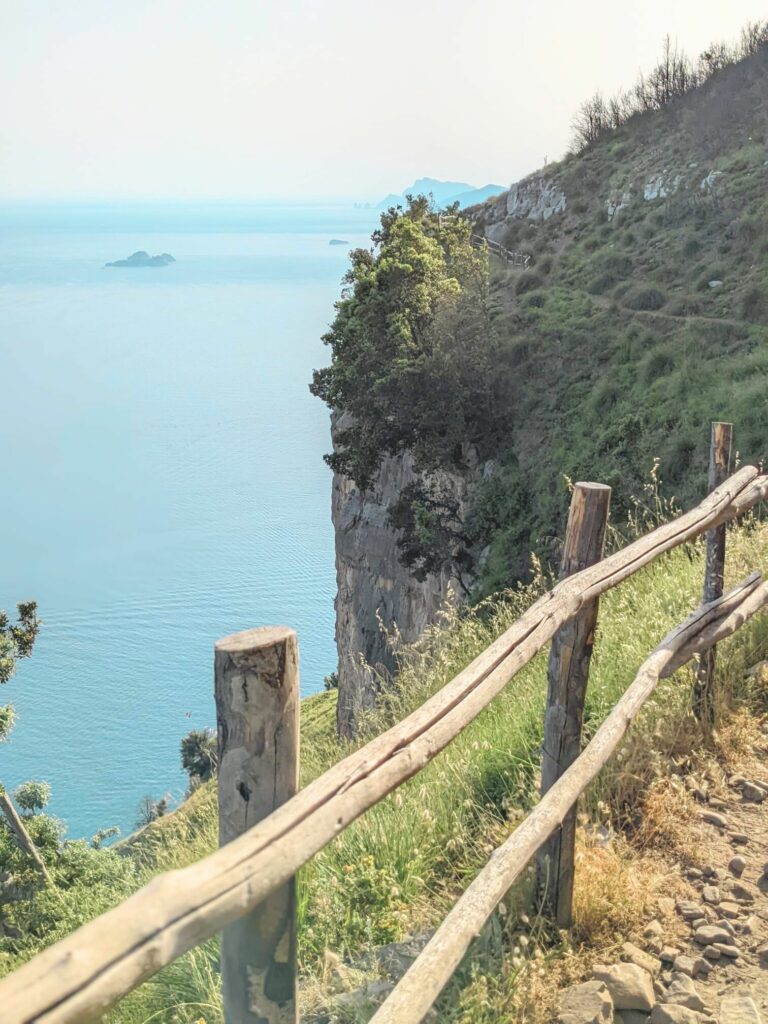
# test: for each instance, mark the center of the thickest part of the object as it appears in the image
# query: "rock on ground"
(631, 987)
(589, 1003)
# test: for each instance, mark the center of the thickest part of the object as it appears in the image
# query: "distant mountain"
(475, 196)
(445, 193)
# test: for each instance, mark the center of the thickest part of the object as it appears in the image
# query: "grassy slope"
(600, 387)
(399, 868)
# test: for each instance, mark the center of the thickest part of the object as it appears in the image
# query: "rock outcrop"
(376, 594)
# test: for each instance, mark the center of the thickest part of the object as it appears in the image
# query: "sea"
(161, 474)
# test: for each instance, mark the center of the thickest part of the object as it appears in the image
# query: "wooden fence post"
(721, 441)
(567, 686)
(23, 837)
(257, 711)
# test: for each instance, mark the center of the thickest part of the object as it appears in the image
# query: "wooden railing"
(268, 834)
(517, 259)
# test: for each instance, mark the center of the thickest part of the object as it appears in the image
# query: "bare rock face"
(534, 198)
(376, 594)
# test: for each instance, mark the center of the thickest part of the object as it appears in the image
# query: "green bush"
(645, 298)
(528, 281)
(691, 247)
(754, 303)
(657, 364)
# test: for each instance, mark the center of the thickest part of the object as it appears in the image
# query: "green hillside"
(619, 345)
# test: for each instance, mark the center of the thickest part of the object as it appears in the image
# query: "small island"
(143, 259)
(338, 241)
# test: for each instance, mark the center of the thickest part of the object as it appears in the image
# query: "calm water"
(162, 480)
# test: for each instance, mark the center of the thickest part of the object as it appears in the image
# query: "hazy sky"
(305, 98)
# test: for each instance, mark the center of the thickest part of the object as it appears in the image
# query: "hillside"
(644, 315)
(397, 870)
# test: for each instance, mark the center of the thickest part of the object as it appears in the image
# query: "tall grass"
(399, 868)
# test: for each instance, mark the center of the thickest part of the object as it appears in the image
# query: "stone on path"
(631, 1017)
(713, 818)
(682, 992)
(589, 1003)
(669, 1014)
(739, 1008)
(638, 956)
(708, 934)
(737, 865)
(630, 986)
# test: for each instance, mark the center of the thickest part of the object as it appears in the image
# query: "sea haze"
(163, 482)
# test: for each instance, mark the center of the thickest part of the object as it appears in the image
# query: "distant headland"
(338, 241)
(143, 259)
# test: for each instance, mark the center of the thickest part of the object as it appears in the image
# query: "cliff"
(376, 594)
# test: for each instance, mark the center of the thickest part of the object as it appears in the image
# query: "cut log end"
(255, 639)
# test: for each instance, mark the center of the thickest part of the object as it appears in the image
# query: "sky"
(305, 99)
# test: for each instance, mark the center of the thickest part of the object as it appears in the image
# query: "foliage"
(399, 868)
(412, 346)
(32, 796)
(199, 754)
(16, 641)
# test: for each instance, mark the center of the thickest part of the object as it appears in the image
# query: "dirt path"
(703, 958)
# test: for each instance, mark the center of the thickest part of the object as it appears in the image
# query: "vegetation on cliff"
(642, 318)
(412, 332)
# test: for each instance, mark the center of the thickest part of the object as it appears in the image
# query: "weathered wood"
(84, 974)
(567, 676)
(721, 444)
(257, 711)
(23, 837)
(417, 991)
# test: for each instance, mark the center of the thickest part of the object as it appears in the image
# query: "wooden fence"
(246, 887)
(517, 259)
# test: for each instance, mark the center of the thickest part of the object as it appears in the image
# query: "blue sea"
(162, 475)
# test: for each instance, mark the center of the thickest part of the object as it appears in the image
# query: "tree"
(412, 345)
(199, 755)
(17, 641)
(32, 796)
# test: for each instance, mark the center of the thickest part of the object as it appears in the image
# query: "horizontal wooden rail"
(417, 991)
(83, 975)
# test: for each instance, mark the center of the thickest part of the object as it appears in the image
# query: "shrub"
(691, 247)
(645, 298)
(684, 305)
(528, 281)
(657, 364)
(754, 303)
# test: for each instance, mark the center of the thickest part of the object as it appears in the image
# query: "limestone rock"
(638, 956)
(630, 986)
(713, 818)
(589, 1003)
(683, 992)
(671, 1014)
(739, 1009)
(374, 588)
(710, 933)
(737, 865)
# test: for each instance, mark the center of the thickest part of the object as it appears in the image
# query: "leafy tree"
(199, 755)
(412, 346)
(32, 796)
(16, 641)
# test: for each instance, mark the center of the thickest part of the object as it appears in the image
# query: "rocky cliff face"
(376, 594)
